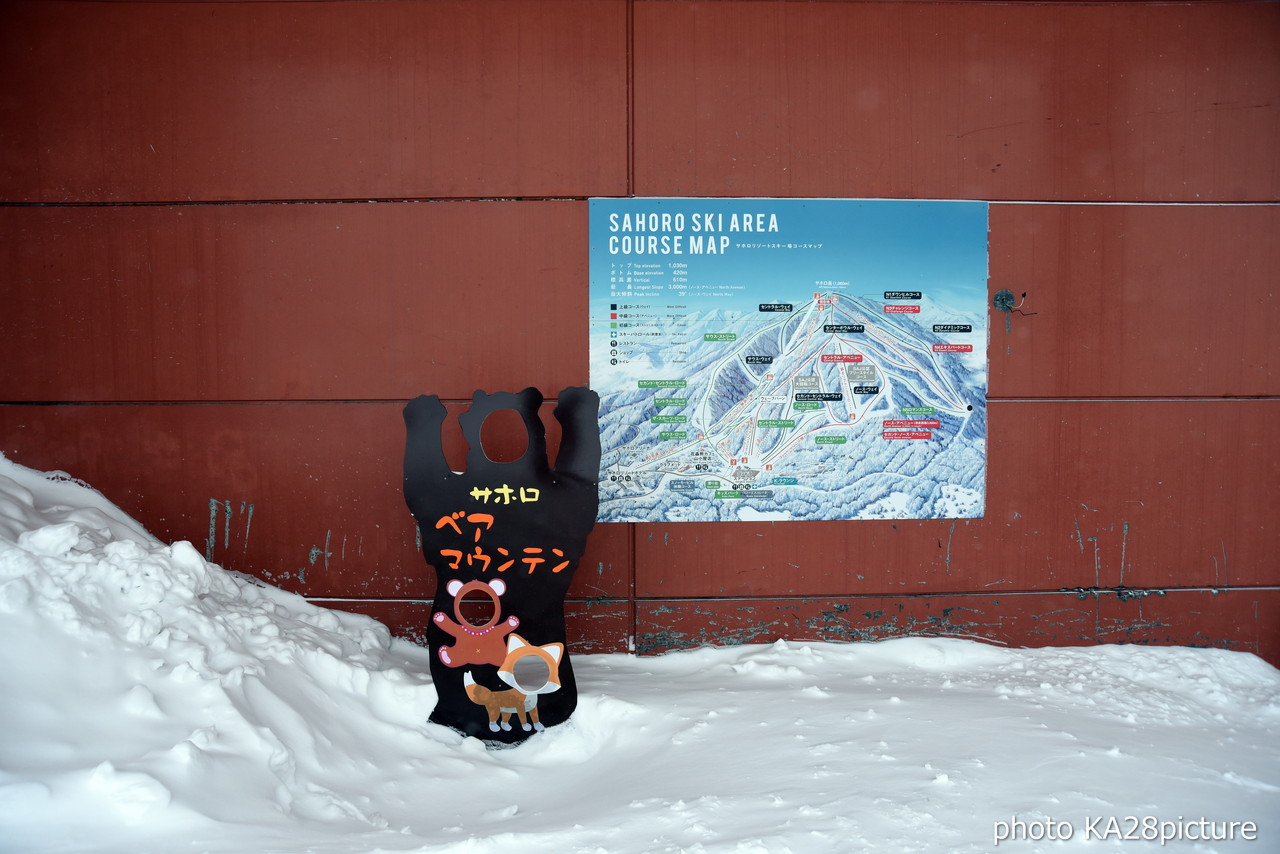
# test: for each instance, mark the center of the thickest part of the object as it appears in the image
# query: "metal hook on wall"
(1004, 301)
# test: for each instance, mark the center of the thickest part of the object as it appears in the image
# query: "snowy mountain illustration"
(846, 406)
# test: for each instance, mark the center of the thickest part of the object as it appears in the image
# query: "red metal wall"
(236, 237)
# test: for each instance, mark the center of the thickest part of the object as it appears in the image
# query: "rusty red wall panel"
(305, 496)
(114, 102)
(289, 302)
(1080, 494)
(261, 302)
(1136, 300)
(1123, 101)
(1246, 620)
(293, 331)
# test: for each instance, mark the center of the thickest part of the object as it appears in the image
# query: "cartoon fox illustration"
(529, 670)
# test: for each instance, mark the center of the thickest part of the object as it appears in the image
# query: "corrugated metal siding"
(203, 315)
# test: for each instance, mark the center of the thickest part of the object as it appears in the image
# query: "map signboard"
(789, 359)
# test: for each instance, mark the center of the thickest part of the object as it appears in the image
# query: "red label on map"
(916, 424)
(841, 357)
(953, 348)
(906, 434)
(902, 309)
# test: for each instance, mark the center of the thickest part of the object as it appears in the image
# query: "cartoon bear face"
(475, 643)
(458, 590)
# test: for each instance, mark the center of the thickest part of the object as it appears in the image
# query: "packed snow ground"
(153, 702)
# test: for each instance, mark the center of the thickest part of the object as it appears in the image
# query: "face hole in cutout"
(531, 673)
(478, 608)
(503, 436)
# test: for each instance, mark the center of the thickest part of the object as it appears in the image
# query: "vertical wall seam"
(633, 617)
(633, 610)
(631, 101)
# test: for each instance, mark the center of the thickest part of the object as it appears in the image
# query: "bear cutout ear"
(453, 587)
(555, 650)
(499, 586)
(515, 642)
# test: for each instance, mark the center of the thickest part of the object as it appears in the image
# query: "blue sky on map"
(939, 247)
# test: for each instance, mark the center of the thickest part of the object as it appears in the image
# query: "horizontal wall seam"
(388, 401)
(590, 600)
(1240, 398)
(383, 401)
(463, 199)
(1077, 592)
(1080, 593)
(216, 203)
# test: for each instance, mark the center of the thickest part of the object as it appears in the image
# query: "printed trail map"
(789, 359)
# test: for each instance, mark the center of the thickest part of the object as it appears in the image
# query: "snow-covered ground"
(153, 702)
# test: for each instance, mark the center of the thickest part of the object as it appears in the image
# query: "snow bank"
(154, 702)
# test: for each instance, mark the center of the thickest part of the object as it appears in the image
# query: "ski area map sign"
(789, 359)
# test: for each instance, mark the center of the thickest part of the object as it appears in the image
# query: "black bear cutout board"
(504, 540)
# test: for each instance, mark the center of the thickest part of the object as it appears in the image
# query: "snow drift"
(153, 702)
